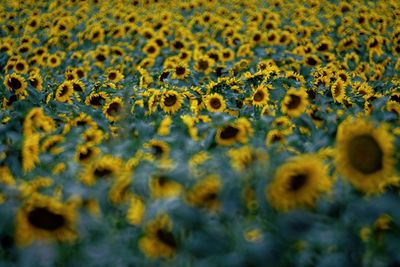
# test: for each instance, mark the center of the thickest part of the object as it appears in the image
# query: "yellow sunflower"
(104, 167)
(64, 92)
(338, 90)
(158, 149)
(171, 101)
(112, 110)
(260, 96)
(204, 194)
(30, 152)
(215, 102)
(159, 240)
(97, 99)
(163, 187)
(180, 71)
(365, 155)
(298, 183)
(295, 102)
(45, 218)
(15, 83)
(230, 134)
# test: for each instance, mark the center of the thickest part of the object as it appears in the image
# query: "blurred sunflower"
(112, 110)
(159, 241)
(230, 134)
(45, 218)
(365, 155)
(30, 152)
(338, 91)
(104, 167)
(260, 96)
(215, 102)
(204, 194)
(295, 102)
(158, 149)
(298, 183)
(171, 101)
(162, 186)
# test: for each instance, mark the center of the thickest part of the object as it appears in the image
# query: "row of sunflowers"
(199, 133)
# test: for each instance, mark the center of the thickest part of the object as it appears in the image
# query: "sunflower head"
(298, 183)
(215, 102)
(171, 101)
(45, 218)
(365, 155)
(295, 102)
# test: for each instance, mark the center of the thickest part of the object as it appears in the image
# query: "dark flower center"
(365, 154)
(85, 155)
(180, 70)
(14, 83)
(297, 181)
(112, 76)
(203, 64)
(102, 172)
(44, 219)
(96, 100)
(294, 101)
(170, 100)
(166, 237)
(229, 132)
(258, 96)
(114, 109)
(64, 90)
(157, 150)
(215, 103)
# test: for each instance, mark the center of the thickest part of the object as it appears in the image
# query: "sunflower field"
(199, 133)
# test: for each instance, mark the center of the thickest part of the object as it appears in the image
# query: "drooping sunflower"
(159, 240)
(338, 90)
(298, 183)
(161, 186)
(30, 152)
(45, 218)
(295, 102)
(171, 101)
(15, 83)
(204, 194)
(36, 81)
(215, 102)
(112, 110)
(365, 155)
(120, 190)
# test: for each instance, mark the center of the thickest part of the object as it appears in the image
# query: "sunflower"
(159, 240)
(295, 102)
(215, 103)
(78, 86)
(204, 194)
(365, 155)
(36, 81)
(162, 186)
(30, 152)
(135, 211)
(260, 96)
(159, 149)
(45, 218)
(112, 110)
(120, 190)
(180, 71)
(64, 92)
(171, 101)
(21, 66)
(15, 83)
(298, 183)
(114, 76)
(103, 167)
(53, 61)
(97, 99)
(230, 134)
(244, 158)
(86, 153)
(338, 90)
(204, 64)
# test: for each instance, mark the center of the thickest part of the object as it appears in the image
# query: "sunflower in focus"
(171, 101)
(215, 102)
(260, 96)
(298, 183)
(365, 155)
(15, 83)
(45, 218)
(64, 92)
